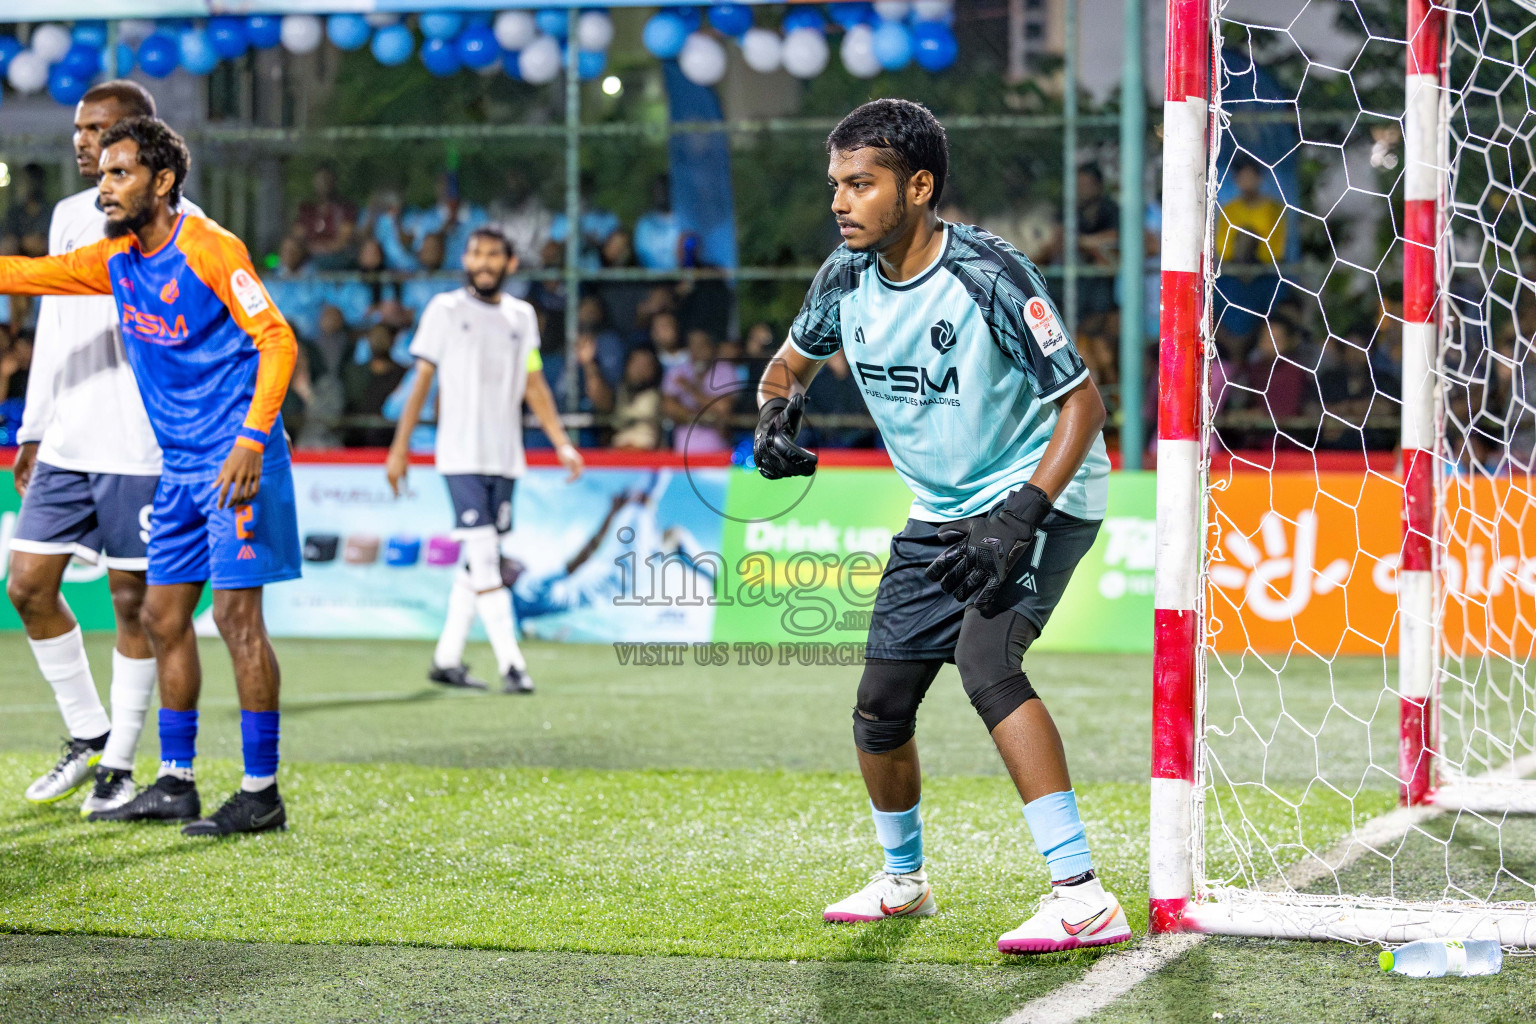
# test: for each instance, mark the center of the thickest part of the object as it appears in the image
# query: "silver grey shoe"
(114, 788)
(71, 772)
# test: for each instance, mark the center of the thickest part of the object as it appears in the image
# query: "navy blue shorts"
(914, 620)
(192, 540)
(481, 500)
(98, 516)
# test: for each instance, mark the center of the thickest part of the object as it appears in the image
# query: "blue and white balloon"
(702, 59)
(552, 22)
(64, 87)
(440, 56)
(477, 47)
(848, 15)
(441, 24)
(347, 32)
(514, 29)
(125, 60)
(858, 52)
(805, 52)
(539, 61)
(803, 17)
(664, 35)
(892, 10)
(731, 19)
(27, 72)
(159, 55)
(264, 31)
(763, 50)
(91, 33)
(228, 37)
(590, 64)
(892, 44)
(82, 60)
(393, 45)
(302, 33)
(933, 45)
(933, 10)
(594, 31)
(197, 53)
(50, 42)
(10, 46)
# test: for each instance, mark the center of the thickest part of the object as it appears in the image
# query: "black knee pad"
(996, 701)
(988, 656)
(889, 694)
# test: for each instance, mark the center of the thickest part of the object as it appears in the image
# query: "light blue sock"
(1059, 835)
(901, 835)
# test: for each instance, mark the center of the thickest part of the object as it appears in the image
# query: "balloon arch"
(530, 45)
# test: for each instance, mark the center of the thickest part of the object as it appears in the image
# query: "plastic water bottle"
(1435, 958)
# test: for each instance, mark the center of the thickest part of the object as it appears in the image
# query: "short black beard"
(890, 228)
(489, 296)
(131, 223)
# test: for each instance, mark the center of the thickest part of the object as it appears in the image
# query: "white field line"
(1116, 974)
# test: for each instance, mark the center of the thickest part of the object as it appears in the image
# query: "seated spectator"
(451, 218)
(416, 293)
(635, 406)
(592, 319)
(622, 298)
(1280, 385)
(24, 231)
(327, 224)
(384, 222)
(835, 392)
(692, 397)
(294, 288)
(524, 218)
(575, 381)
(369, 385)
(657, 233)
(15, 367)
(666, 340)
(333, 346)
(1250, 240)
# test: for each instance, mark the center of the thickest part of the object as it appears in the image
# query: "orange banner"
(1307, 562)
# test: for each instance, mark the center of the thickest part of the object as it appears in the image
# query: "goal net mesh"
(1301, 739)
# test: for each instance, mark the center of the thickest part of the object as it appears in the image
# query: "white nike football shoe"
(887, 895)
(1070, 917)
(72, 771)
(114, 788)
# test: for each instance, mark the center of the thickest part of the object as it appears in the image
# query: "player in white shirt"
(87, 468)
(482, 347)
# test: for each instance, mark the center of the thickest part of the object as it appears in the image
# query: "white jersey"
(483, 354)
(83, 407)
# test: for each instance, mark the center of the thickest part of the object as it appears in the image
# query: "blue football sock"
(1059, 834)
(258, 741)
(178, 738)
(901, 835)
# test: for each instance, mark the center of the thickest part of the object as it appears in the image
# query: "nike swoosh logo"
(267, 818)
(889, 911)
(1073, 929)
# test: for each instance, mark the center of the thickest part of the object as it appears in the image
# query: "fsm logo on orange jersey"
(152, 327)
(170, 293)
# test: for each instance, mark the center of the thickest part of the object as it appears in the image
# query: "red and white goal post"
(1339, 623)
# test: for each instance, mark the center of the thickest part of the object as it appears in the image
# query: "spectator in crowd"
(592, 320)
(1250, 234)
(1281, 387)
(450, 218)
(368, 386)
(691, 397)
(666, 340)
(326, 224)
(384, 222)
(1346, 392)
(24, 230)
(332, 347)
(417, 292)
(635, 406)
(758, 347)
(657, 234)
(295, 289)
(622, 298)
(1098, 256)
(524, 218)
(835, 392)
(15, 367)
(577, 380)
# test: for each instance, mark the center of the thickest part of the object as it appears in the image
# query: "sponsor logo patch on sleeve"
(1043, 324)
(248, 292)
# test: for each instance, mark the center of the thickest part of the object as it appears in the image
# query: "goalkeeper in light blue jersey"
(990, 416)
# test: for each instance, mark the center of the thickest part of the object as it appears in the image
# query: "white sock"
(63, 663)
(257, 783)
(496, 612)
(461, 615)
(133, 685)
(184, 774)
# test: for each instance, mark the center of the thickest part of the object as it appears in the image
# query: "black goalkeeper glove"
(774, 451)
(981, 556)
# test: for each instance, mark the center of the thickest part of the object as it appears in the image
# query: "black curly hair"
(906, 134)
(160, 149)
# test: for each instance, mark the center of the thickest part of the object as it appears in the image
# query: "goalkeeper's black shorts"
(914, 620)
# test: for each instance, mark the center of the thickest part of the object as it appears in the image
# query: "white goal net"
(1346, 696)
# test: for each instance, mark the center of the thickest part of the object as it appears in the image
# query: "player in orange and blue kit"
(212, 356)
